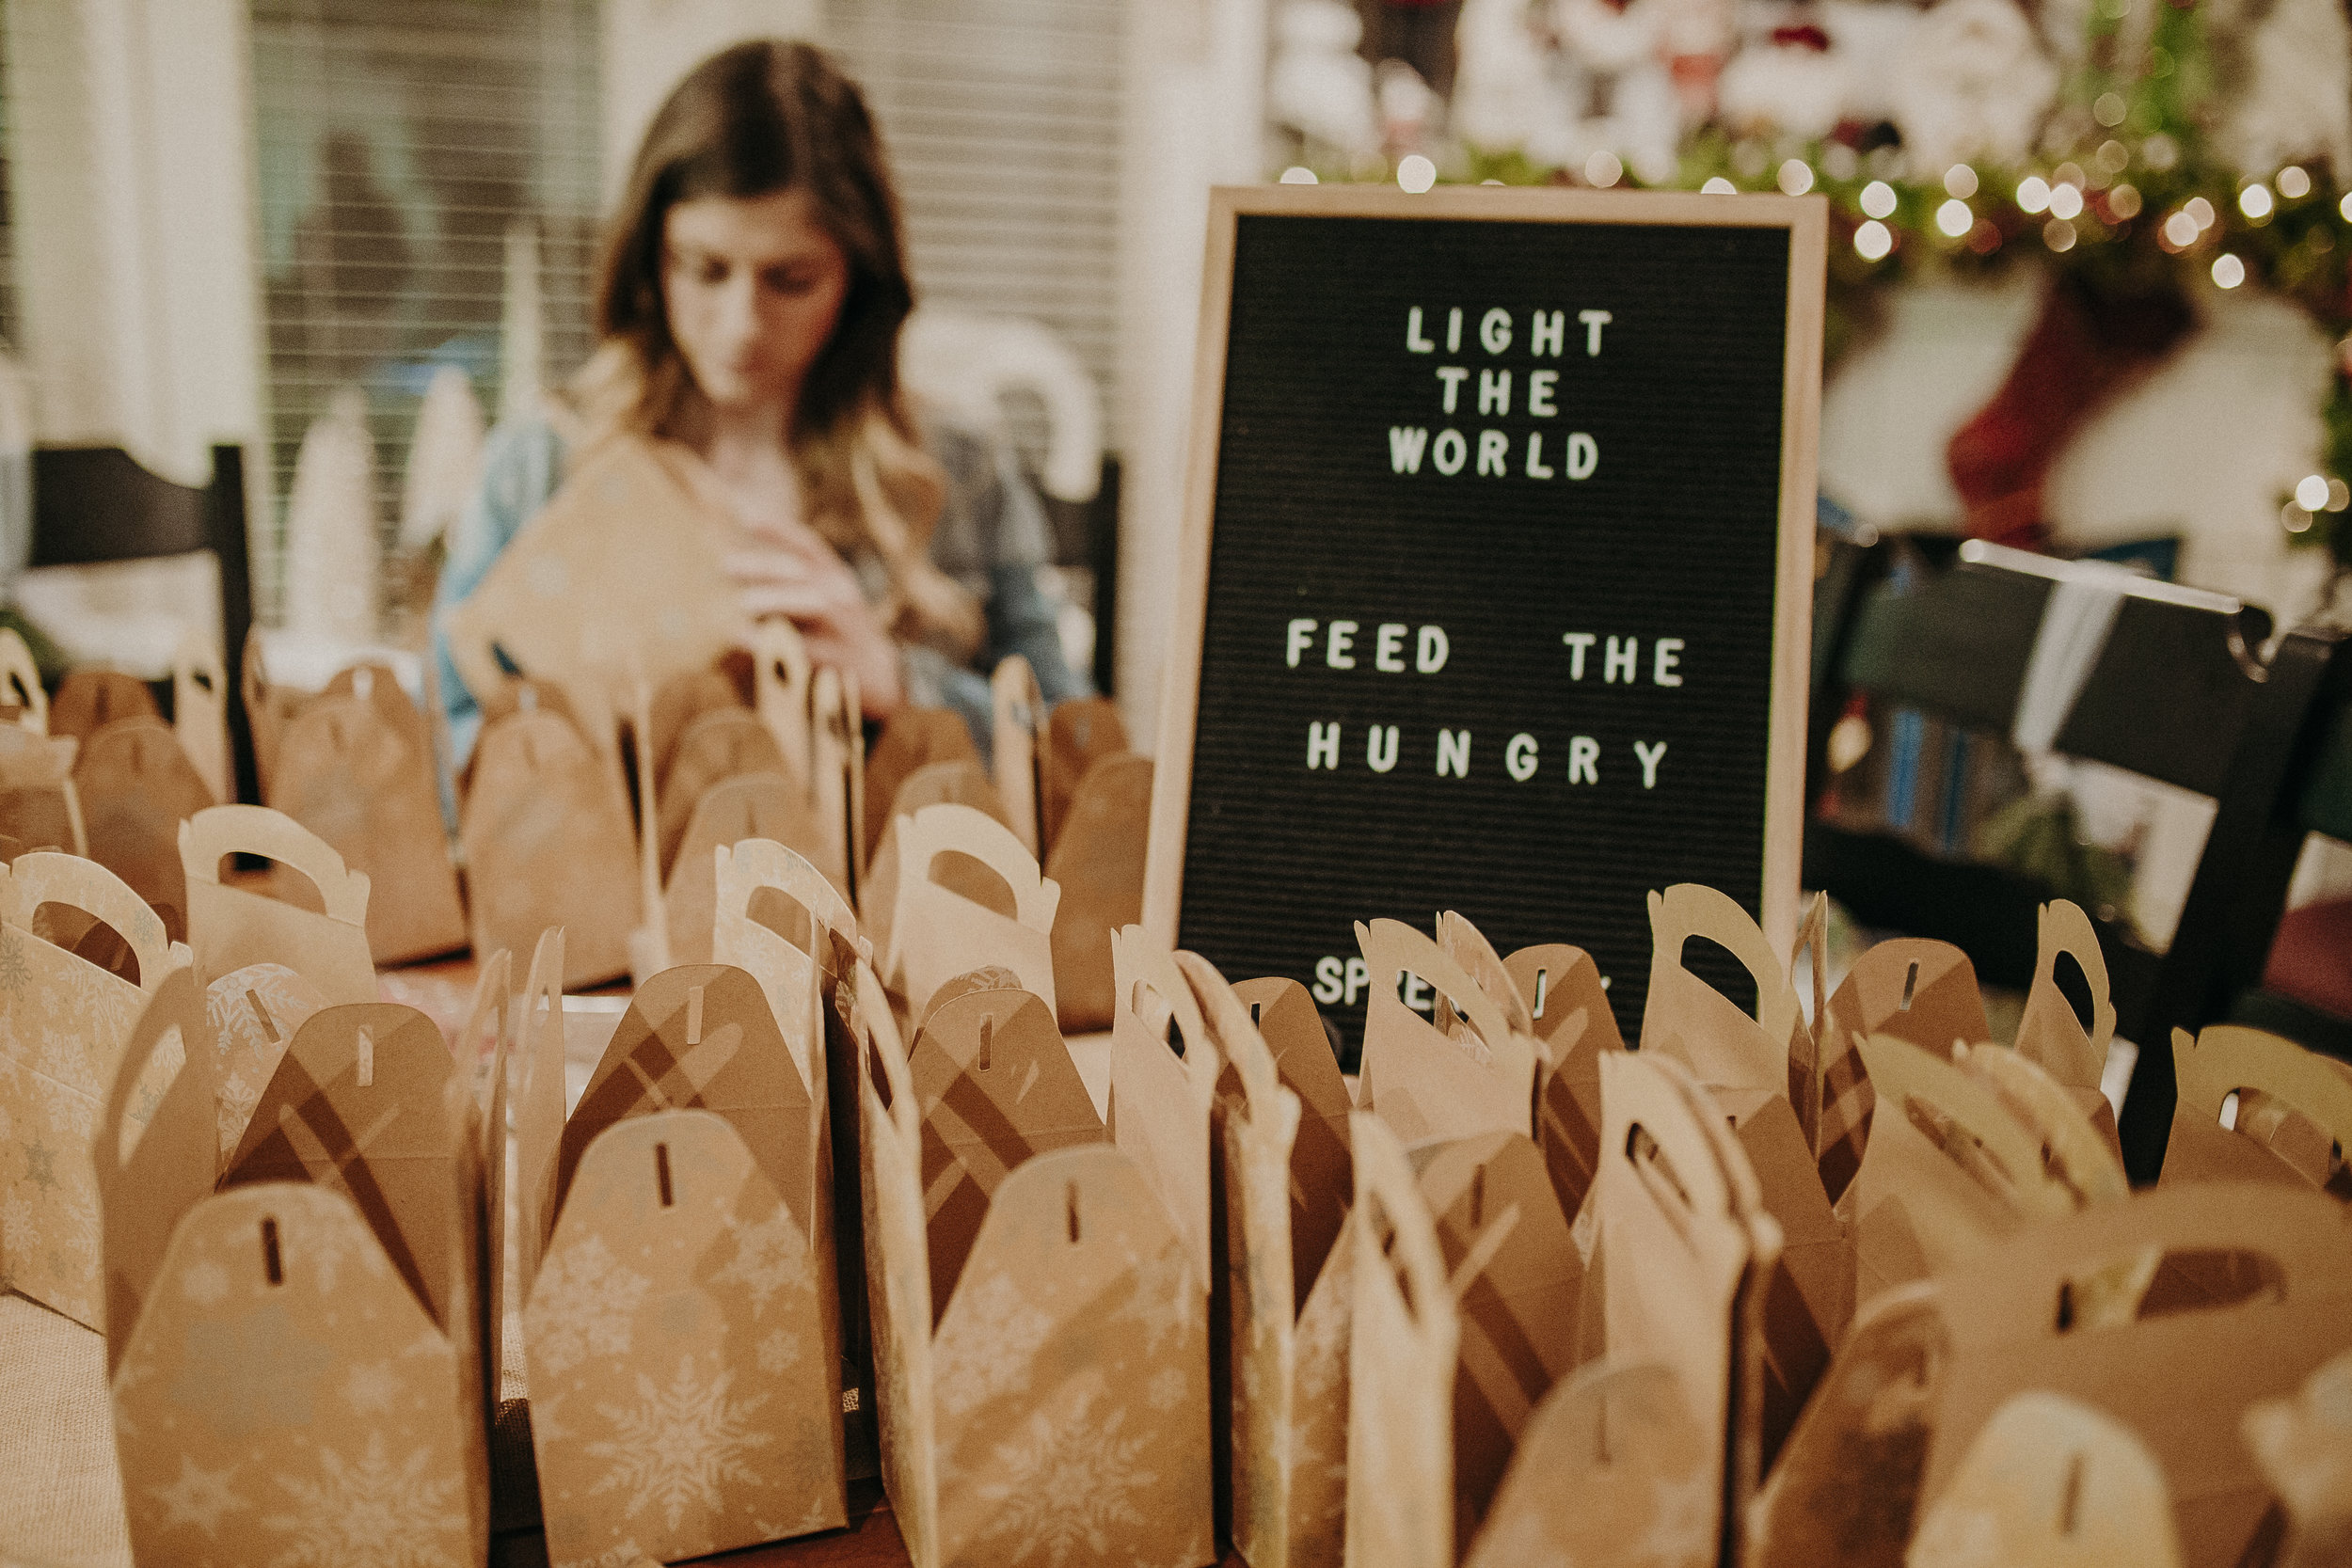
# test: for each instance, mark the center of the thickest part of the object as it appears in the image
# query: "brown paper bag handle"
(1139, 962)
(45, 876)
(753, 864)
(1239, 1044)
(1689, 910)
(2049, 1033)
(2227, 1057)
(17, 668)
(1709, 1176)
(780, 690)
(540, 1114)
(937, 829)
(1393, 949)
(1467, 946)
(877, 1034)
(175, 1005)
(1019, 716)
(2020, 1282)
(200, 715)
(1385, 1187)
(836, 742)
(230, 830)
(1902, 1073)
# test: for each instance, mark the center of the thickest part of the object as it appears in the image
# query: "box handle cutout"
(1911, 985)
(271, 1265)
(367, 1060)
(661, 1173)
(260, 1015)
(1543, 988)
(1073, 1213)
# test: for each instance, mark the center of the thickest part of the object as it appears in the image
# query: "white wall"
(1196, 72)
(131, 154)
(648, 44)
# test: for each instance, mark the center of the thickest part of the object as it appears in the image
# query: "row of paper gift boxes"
(570, 814)
(1522, 1286)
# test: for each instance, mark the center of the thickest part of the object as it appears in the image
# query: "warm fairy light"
(2125, 202)
(1960, 180)
(1298, 175)
(1955, 219)
(2181, 229)
(1873, 241)
(1603, 169)
(1719, 186)
(1416, 173)
(2114, 156)
(2066, 201)
(2033, 194)
(1878, 200)
(2199, 212)
(2228, 271)
(2293, 183)
(2255, 201)
(2059, 235)
(2294, 519)
(2339, 494)
(2109, 110)
(2311, 492)
(1796, 177)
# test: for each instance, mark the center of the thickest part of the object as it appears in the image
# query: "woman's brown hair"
(758, 118)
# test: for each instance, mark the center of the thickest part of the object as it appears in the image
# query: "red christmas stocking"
(2084, 347)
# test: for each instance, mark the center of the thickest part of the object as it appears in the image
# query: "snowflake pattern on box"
(1062, 1438)
(686, 1347)
(323, 1419)
(62, 1020)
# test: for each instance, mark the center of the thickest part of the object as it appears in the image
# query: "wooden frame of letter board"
(1805, 218)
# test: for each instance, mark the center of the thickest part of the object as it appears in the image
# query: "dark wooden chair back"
(2177, 693)
(97, 504)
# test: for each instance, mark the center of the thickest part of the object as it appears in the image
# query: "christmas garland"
(2127, 205)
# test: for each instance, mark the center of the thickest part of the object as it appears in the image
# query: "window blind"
(1002, 121)
(397, 141)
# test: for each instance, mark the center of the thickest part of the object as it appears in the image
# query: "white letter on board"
(1387, 651)
(1494, 330)
(1453, 754)
(1669, 652)
(1415, 993)
(1430, 656)
(1335, 647)
(1453, 330)
(1494, 452)
(1380, 748)
(1536, 467)
(1583, 455)
(1448, 452)
(1302, 637)
(1494, 392)
(1452, 376)
(1578, 641)
(1327, 986)
(1405, 448)
(1518, 758)
(1414, 341)
(1584, 760)
(1548, 331)
(1358, 977)
(1621, 655)
(1594, 321)
(1322, 744)
(1649, 755)
(1539, 386)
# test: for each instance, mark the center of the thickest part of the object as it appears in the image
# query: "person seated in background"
(752, 286)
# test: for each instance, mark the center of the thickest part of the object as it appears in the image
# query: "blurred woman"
(753, 287)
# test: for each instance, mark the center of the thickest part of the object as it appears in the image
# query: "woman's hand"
(804, 580)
